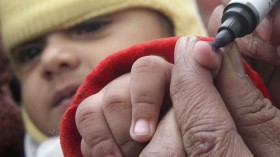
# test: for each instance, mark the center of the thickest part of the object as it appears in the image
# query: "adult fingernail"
(142, 127)
(233, 54)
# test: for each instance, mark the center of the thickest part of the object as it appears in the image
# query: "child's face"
(52, 67)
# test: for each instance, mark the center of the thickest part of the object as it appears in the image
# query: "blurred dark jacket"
(11, 124)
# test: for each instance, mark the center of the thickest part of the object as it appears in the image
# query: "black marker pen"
(240, 18)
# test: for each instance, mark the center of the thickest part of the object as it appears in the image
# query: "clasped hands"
(215, 109)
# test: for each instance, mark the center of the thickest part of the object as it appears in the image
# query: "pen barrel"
(239, 20)
(259, 7)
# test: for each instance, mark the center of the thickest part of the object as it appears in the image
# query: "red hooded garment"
(114, 66)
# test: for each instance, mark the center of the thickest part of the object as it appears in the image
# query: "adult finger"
(150, 77)
(264, 30)
(259, 44)
(167, 140)
(255, 47)
(215, 20)
(257, 120)
(205, 123)
(93, 128)
(206, 8)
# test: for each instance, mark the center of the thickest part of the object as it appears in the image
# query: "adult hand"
(263, 43)
(261, 48)
(104, 119)
(225, 116)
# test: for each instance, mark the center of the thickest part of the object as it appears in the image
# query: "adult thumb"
(256, 119)
(206, 125)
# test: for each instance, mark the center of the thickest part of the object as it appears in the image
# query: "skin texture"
(56, 64)
(204, 132)
(207, 133)
(262, 46)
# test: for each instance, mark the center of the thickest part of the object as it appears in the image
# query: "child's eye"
(28, 54)
(89, 28)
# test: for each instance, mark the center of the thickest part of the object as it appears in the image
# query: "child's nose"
(59, 56)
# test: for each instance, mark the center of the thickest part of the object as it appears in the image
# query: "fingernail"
(233, 53)
(142, 127)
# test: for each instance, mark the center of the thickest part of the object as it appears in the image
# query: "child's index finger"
(149, 79)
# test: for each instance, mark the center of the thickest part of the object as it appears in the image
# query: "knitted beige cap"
(24, 20)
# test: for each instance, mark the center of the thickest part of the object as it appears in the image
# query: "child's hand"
(104, 119)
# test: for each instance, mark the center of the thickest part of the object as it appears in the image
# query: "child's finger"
(150, 77)
(86, 152)
(117, 111)
(93, 127)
